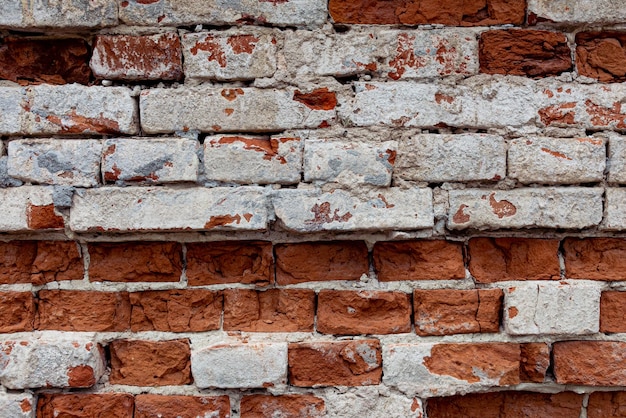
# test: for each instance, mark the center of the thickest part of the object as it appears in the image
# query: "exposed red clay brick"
(176, 310)
(51, 61)
(320, 261)
(39, 262)
(150, 363)
(75, 310)
(613, 312)
(43, 217)
(18, 311)
(594, 363)
(52, 405)
(607, 404)
(417, 12)
(296, 406)
(135, 262)
(448, 311)
(274, 310)
(601, 55)
(318, 99)
(534, 53)
(498, 259)
(81, 377)
(163, 406)
(346, 312)
(341, 363)
(535, 360)
(595, 258)
(230, 262)
(507, 404)
(419, 260)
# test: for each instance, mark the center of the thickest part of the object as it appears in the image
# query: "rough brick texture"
(302, 406)
(572, 363)
(40, 262)
(85, 405)
(612, 308)
(18, 310)
(148, 406)
(595, 258)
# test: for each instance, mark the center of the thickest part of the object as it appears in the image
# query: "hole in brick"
(341, 28)
(347, 79)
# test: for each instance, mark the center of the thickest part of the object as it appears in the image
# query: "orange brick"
(39, 262)
(53, 405)
(613, 312)
(296, 406)
(18, 311)
(595, 258)
(162, 406)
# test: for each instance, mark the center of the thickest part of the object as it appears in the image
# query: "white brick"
(17, 405)
(153, 160)
(165, 209)
(552, 308)
(56, 161)
(70, 14)
(58, 360)
(253, 160)
(306, 13)
(22, 207)
(209, 109)
(617, 158)
(370, 401)
(339, 210)
(571, 208)
(349, 162)
(615, 209)
(240, 366)
(439, 158)
(556, 160)
(580, 11)
(229, 55)
(67, 109)
(392, 54)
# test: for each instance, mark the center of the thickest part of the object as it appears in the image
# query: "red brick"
(534, 362)
(75, 310)
(39, 262)
(534, 53)
(500, 259)
(613, 312)
(343, 363)
(135, 262)
(607, 404)
(249, 262)
(447, 311)
(127, 57)
(150, 363)
(601, 55)
(274, 310)
(595, 258)
(594, 363)
(52, 61)
(106, 405)
(363, 312)
(176, 310)
(507, 404)
(321, 261)
(18, 311)
(417, 12)
(292, 406)
(161, 406)
(419, 260)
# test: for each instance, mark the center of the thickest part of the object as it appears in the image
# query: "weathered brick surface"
(320, 261)
(586, 11)
(612, 310)
(28, 208)
(273, 310)
(152, 161)
(39, 262)
(128, 57)
(135, 262)
(300, 406)
(55, 161)
(249, 262)
(616, 163)
(601, 55)
(571, 208)
(366, 312)
(367, 400)
(499, 259)
(614, 205)
(606, 404)
(229, 55)
(150, 406)
(240, 365)
(18, 311)
(68, 14)
(150, 363)
(345, 363)
(418, 260)
(595, 258)
(443, 311)
(535, 360)
(17, 405)
(83, 405)
(253, 160)
(73, 310)
(594, 363)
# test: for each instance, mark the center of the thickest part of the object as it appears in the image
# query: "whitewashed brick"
(208, 109)
(165, 209)
(439, 158)
(153, 160)
(67, 14)
(552, 308)
(392, 54)
(615, 209)
(617, 158)
(580, 11)
(58, 360)
(339, 210)
(22, 209)
(304, 13)
(5, 179)
(17, 405)
(349, 162)
(253, 160)
(557, 160)
(67, 109)
(571, 208)
(365, 402)
(229, 55)
(56, 161)
(240, 366)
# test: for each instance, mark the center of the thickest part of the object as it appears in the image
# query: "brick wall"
(312, 208)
